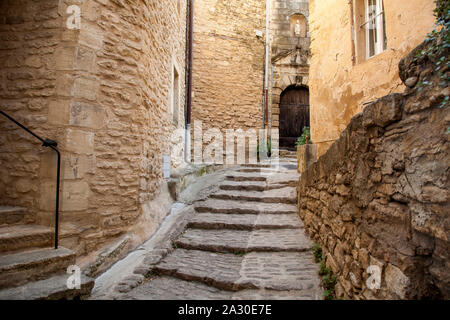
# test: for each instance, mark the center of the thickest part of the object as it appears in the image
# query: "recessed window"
(375, 27)
(175, 96)
(370, 28)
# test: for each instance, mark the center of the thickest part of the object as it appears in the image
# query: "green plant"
(438, 45)
(329, 280)
(174, 245)
(317, 252)
(305, 138)
(239, 253)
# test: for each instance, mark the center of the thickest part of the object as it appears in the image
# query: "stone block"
(58, 112)
(87, 115)
(75, 196)
(396, 281)
(85, 88)
(79, 141)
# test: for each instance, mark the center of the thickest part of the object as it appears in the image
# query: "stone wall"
(289, 50)
(104, 93)
(380, 195)
(228, 64)
(339, 85)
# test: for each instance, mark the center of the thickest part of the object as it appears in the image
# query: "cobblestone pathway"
(244, 241)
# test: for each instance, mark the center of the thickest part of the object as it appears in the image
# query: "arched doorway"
(294, 115)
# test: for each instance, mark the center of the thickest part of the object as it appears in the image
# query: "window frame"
(378, 22)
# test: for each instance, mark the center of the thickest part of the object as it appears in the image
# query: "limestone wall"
(228, 64)
(380, 195)
(104, 93)
(349, 86)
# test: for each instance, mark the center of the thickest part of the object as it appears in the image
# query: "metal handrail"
(54, 146)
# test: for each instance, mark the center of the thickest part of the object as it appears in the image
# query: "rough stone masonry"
(380, 195)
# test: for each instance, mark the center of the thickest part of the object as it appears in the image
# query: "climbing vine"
(438, 45)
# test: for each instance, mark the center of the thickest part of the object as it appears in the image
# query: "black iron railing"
(48, 144)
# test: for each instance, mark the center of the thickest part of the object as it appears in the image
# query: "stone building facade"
(228, 68)
(343, 76)
(290, 53)
(109, 89)
(229, 61)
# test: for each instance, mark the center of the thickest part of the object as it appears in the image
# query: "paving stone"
(279, 240)
(282, 271)
(244, 207)
(215, 269)
(244, 221)
(215, 240)
(244, 241)
(279, 196)
(169, 288)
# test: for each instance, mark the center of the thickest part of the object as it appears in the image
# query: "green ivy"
(438, 46)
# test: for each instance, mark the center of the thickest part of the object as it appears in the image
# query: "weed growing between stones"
(239, 253)
(328, 278)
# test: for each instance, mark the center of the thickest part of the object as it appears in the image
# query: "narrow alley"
(243, 240)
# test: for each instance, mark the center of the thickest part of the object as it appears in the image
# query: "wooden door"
(294, 116)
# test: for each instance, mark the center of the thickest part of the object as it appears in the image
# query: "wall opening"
(294, 115)
(298, 25)
(175, 96)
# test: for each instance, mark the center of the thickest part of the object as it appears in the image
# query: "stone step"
(169, 288)
(245, 176)
(243, 207)
(13, 238)
(11, 215)
(19, 268)
(54, 288)
(256, 270)
(256, 165)
(246, 185)
(252, 185)
(284, 195)
(245, 221)
(292, 240)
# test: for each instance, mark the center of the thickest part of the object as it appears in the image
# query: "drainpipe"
(189, 64)
(265, 95)
(266, 79)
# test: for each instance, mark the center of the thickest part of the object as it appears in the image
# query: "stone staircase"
(245, 241)
(30, 268)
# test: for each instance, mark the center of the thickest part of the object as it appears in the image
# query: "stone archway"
(294, 115)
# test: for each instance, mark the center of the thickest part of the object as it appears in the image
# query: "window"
(175, 96)
(369, 28)
(375, 27)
